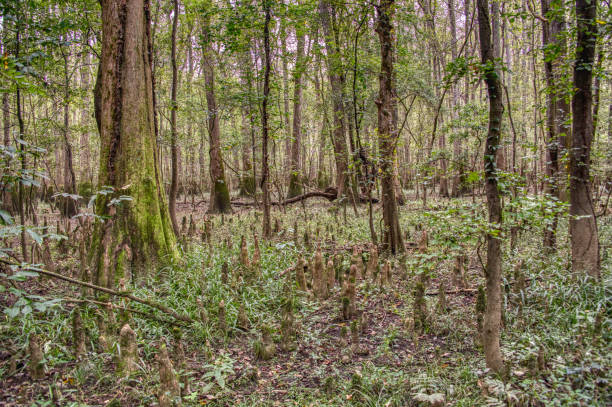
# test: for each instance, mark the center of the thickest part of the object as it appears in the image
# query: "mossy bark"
(138, 233)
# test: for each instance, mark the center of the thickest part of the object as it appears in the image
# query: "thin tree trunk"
(583, 224)
(264, 124)
(85, 154)
(493, 271)
(295, 182)
(173, 132)
(387, 133)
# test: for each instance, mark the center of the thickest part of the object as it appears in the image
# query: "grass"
(563, 325)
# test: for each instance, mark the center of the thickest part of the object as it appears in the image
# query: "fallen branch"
(468, 291)
(330, 194)
(123, 294)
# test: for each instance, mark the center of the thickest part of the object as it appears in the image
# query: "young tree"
(138, 234)
(387, 133)
(583, 224)
(493, 270)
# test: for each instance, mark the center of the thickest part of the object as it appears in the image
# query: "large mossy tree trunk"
(219, 193)
(493, 270)
(295, 180)
(583, 224)
(387, 133)
(334, 69)
(138, 235)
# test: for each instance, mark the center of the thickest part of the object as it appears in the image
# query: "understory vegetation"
(556, 335)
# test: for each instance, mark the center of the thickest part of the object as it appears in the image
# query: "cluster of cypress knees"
(317, 279)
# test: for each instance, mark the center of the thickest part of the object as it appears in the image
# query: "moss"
(221, 198)
(247, 185)
(295, 185)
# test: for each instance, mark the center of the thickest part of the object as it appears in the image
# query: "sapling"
(169, 389)
(36, 365)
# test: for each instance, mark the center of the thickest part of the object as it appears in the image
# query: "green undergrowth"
(555, 340)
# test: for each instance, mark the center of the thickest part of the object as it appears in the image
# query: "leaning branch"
(123, 294)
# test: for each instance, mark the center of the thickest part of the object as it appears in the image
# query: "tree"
(493, 270)
(219, 194)
(265, 170)
(173, 109)
(334, 72)
(387, 133)
(295, 180)
(137, 235)
(583, 224)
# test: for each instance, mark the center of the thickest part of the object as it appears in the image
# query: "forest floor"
(556, 338)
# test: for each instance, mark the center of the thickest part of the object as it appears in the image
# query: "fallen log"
(330, 193)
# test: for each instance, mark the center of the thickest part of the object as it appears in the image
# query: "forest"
(387, 203)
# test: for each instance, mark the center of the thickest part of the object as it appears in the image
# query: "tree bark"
(265, 171)
(334, 69)
(173, 132)
(219, 194)
(552, 141)
(493, 270)
(583, 224)
(85, 154)
(387, 133)
(138, 234)
(69, 205)
(295, 180)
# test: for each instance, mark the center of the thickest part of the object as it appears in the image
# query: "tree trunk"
(583, 224)
(295, 181)
(69, 205)
(334, 69)
(552, 142)
(219, 194)
(138, 235)
(85, 154)
(265, 171)
(387, 133)
(492, 322)
(173, 132)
